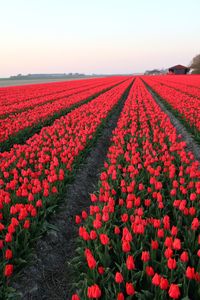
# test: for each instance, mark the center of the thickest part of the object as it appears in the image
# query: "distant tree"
(195, 65)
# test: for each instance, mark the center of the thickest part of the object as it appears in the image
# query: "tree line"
(195, 64)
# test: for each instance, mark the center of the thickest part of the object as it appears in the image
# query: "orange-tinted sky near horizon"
(96, 36)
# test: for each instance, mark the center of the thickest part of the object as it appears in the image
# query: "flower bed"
(140, 239)
(33, 174)
(20, 124)
(185, 106)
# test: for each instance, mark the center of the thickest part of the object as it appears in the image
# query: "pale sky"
(96, 36)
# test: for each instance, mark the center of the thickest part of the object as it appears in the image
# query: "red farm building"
(179, 69)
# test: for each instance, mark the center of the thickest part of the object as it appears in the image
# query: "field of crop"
(136, 234)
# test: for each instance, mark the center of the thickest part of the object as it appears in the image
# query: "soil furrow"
(49, 277)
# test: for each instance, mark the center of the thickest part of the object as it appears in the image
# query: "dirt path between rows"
(48, 277)
(186, 136)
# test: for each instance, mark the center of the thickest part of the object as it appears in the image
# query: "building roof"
(179, 67)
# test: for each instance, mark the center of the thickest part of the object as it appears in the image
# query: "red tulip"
(118, 278)
(150, 271)
(184, 256)
(164, 284)
(101, 270)
(8, 254)
(130, 289)
(75, 297)
(120, 296)
(104, 239)
(94, 291)
(190, 273)
(130, 262)
(8, 270)
(171, 263)
(145, 256)
(174, 291)
(156, 279)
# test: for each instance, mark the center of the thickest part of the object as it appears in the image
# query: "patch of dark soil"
(186, 136)
(49, 277)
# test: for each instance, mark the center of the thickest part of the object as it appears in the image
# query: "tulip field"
(16, 118)
(140, 236)
(182, 98)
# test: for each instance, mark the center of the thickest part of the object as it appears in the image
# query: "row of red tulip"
(15, 94)
(22, 93)
(189, 80)
(32, 174)
(187, 106)
(180, 84)
(140, 239)
(72, 89)
(17, 122)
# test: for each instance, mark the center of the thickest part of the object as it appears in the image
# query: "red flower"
(174, 230)
(120, 296)
(124, 218)
(164, 283)
(85, 235)
(84, 214)
(154, 245)
(8, 270)
(8, 254)
(193, 196)
(130, 262)
(101, 270)
(198, 252)
(156, 279)
(190, 273)
(184, 256)
(93, 198)
(149, 271)
(147, 202)
(8, 238)
(126, 246)
(78, 219)
(145, 256)
(1, 227)
(93, 234)
(118, 277)
(117, 230)
(126, 236)
(176, 244)
(97, 224)
(130, 289)
(168, 253)
(195, 224)
(104, 239)
(75, 297)
(30, 197)
(90, 259)
(160, 233)
(168, 241)
(26, 224)
(39, 203)
(171, 263)
(174, 291)
(94, 291)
